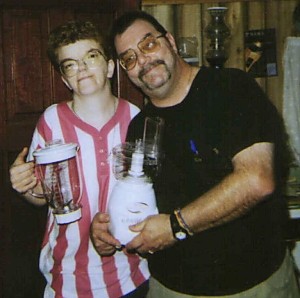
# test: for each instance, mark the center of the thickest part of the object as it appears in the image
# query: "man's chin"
(150, 87)
(153, 83)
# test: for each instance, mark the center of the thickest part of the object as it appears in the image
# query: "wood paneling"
(98, 5)
(236, 19)
(23, 67)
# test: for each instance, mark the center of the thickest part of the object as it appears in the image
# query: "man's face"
(152, 71)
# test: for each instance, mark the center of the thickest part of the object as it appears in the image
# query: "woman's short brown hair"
(72, 32)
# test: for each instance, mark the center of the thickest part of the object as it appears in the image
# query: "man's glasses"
(92, 59)
(149, 44)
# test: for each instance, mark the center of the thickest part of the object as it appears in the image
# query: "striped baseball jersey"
(68, 260)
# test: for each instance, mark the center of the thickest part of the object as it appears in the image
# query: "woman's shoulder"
(133, 108)
(54, 107)
(52, 112)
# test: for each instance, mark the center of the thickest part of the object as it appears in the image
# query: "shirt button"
(102, 164)
(101, 150)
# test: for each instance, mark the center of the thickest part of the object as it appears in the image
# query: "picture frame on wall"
(260, 52)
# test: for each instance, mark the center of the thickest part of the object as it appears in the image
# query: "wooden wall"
(191, 20)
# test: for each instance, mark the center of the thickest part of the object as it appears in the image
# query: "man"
(220, 227)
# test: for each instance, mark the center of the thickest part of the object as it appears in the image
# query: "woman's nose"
(82, 65)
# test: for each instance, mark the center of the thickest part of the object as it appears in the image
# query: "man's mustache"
(149, 66)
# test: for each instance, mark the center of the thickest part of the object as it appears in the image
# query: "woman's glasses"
(92, 59)
(149, 44)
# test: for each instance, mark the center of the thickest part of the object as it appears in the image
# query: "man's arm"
(250, 182)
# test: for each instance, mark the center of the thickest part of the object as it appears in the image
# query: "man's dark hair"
(122, 23)
(72, 32)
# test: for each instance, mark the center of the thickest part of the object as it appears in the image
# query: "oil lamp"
(217, 31)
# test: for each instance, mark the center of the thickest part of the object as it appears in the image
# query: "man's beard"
(147, 68)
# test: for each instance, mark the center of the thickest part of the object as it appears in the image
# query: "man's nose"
(142, 58)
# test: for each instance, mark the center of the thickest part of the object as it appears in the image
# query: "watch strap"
(179, 233)
(182, 222)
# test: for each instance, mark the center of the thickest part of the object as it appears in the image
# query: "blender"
(135, 165)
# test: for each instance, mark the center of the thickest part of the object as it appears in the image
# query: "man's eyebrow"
(145, 36)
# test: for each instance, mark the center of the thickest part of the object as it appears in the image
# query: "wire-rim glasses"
(149, 44)
(92, 59)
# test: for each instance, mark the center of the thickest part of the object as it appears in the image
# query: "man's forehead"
(133, 34)
(141, 25)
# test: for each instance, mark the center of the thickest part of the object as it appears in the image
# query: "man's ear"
(66, 83)
(172, 41)
(110, 68)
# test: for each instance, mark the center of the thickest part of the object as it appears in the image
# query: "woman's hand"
(22, 173)
(104, 243)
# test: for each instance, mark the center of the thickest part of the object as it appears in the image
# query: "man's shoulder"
(224, 71)
(215, 78)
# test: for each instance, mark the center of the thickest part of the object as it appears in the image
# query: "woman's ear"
(110, 68)
(66, 83)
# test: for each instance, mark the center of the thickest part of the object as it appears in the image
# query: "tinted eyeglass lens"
(149, 44)
(128, 59)
(70, 67)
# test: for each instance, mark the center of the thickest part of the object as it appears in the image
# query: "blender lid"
(55, 153)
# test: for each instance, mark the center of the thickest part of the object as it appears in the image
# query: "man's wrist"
(179, 233)
(182, 222)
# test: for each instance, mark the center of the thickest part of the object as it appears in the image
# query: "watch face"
(180, 235)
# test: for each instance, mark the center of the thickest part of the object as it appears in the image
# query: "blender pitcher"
(56, 168)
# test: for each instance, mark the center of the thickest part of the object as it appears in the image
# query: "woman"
(97, 121)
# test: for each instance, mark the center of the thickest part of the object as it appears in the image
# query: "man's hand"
(155, 234)
(103, 241)
(22, 173)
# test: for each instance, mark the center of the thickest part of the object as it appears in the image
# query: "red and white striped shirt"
(68, 259)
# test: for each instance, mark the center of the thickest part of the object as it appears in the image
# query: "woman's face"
(84, 68)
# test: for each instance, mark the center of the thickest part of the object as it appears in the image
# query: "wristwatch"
(179, 233)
